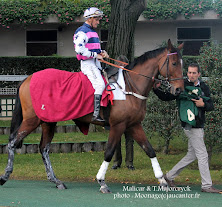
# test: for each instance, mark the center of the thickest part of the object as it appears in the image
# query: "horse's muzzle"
(176, 91)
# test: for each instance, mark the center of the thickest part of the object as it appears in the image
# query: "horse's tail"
(16, 118)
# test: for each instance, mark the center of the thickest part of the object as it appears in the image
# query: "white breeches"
(91, 68)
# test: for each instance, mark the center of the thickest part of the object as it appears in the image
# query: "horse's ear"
(170, 46)
(181, 46)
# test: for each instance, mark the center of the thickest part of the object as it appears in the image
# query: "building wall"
(148, 35)
(12, 41)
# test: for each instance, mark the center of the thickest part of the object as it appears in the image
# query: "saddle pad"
(118, 93)
(60, 95)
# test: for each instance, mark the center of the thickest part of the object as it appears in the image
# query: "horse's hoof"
(2, 181)
(61, 186)
(104, 189)
(163, 184)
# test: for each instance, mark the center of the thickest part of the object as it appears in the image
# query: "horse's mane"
(147, 55)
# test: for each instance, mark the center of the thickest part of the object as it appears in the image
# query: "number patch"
(190, 115)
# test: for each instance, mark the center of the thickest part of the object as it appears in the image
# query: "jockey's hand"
(99, 57)
(104, 54)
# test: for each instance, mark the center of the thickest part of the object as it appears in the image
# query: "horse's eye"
(174, 63)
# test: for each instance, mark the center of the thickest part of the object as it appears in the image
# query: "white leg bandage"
(156, 168)
(102, 171)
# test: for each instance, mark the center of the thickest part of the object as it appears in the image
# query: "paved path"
(44, 194)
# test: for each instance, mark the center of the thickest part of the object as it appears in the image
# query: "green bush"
(27, 12)
(210, 58)
(162, 118)
(29, 65)
(210, 61)
(170, 9)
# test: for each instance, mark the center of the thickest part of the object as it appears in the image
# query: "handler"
(88, 49)
(193, 127)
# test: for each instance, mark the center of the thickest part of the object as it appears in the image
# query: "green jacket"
(187, 108)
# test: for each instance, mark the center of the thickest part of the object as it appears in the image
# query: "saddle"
(111, 75)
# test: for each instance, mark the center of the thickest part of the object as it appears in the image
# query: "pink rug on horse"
(60, 95)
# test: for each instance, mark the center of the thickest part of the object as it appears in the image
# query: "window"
(193, 39)
(103, 38)
(41, 42)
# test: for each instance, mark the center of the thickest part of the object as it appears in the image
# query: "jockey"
(88, 49)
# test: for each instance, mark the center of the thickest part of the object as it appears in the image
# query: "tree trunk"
(124, 15)
(166, 146)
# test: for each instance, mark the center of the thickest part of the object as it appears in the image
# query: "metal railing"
(7, 95)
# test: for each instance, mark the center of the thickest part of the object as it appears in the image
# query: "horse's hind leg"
(139, 135)
(47, 136)
(15, 139)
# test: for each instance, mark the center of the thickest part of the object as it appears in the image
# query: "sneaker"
(169, 182)
(211, 190)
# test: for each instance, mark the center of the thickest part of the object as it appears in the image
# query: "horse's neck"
(144, 84)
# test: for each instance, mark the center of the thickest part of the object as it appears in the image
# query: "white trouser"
(92, 69)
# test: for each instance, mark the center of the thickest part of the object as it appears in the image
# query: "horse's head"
(170, 66)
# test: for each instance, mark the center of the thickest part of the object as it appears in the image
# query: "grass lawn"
(84, 166)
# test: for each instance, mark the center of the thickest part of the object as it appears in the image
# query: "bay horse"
(125, 115)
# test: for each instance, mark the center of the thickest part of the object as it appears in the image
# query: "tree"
(124, 15)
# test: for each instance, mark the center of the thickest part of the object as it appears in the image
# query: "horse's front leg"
(139, 135)
(114, 138)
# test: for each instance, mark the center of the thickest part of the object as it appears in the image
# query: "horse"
(125, 115)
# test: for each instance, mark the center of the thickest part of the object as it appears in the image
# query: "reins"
(118, 61)
(152, 78)
(121, 67)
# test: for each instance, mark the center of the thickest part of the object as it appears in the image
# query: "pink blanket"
(60, 95)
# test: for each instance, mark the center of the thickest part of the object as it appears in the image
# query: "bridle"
(165, 83)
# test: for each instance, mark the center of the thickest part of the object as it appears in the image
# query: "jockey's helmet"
(92, 12)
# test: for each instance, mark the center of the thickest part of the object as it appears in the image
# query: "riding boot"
(96, 116)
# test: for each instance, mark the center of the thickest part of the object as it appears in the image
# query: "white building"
(55, 38)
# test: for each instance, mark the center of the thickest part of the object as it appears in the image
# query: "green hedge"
(28, 65)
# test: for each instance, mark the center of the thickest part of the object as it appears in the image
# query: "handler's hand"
(199, 103)
(156, 85)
